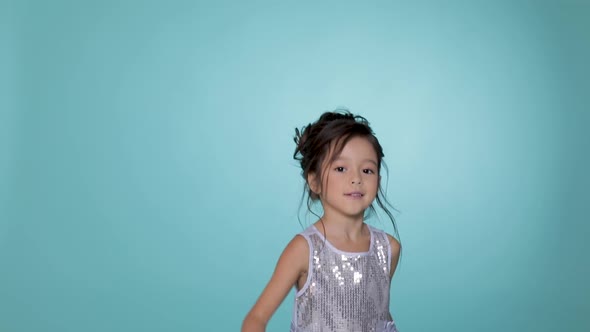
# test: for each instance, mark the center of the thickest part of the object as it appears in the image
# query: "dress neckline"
(348, 253)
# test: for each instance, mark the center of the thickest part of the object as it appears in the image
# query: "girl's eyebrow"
(364, 160)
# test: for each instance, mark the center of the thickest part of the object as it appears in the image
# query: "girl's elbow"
(253, 324)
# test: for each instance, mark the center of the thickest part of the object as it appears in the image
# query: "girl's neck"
(343, 227)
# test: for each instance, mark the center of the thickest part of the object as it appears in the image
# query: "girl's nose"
(355, 177)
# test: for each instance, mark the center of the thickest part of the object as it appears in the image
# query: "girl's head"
(320, 143)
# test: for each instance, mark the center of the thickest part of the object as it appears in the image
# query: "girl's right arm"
(292, 264)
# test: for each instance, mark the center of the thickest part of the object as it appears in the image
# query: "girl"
(340, 266)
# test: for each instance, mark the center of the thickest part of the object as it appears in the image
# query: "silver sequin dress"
(345, 291)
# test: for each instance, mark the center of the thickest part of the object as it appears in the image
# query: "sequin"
(344, 291)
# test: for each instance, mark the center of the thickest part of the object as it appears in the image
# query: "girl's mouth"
(354, 194)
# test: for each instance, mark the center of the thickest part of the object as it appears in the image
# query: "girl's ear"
(313, 183)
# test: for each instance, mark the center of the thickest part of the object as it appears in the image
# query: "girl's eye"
(368, 171)
(339, 169)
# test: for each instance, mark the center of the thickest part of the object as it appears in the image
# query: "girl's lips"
(355, 194)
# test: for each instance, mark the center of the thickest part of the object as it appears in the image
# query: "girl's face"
(350, 182)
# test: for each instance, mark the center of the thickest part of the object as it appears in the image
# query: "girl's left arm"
(395, 251)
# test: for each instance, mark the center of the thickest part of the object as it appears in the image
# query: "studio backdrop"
(147, 180)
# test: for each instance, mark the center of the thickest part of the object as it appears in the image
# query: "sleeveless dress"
(344, 291)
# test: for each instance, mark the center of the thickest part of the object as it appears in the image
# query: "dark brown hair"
(335, 129)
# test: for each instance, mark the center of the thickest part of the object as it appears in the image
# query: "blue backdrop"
(146, 172)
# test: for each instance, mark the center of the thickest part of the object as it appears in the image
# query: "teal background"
(146, 178)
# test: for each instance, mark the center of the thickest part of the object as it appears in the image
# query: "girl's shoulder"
(393, 242)
(311, 229)
(310, 237)
(296, 253)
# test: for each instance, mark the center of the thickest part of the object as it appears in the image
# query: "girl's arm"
(395, 251)
(291, 265)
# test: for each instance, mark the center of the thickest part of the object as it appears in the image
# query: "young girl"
(340, 266)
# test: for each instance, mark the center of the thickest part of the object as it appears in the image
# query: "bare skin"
(342, 223)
